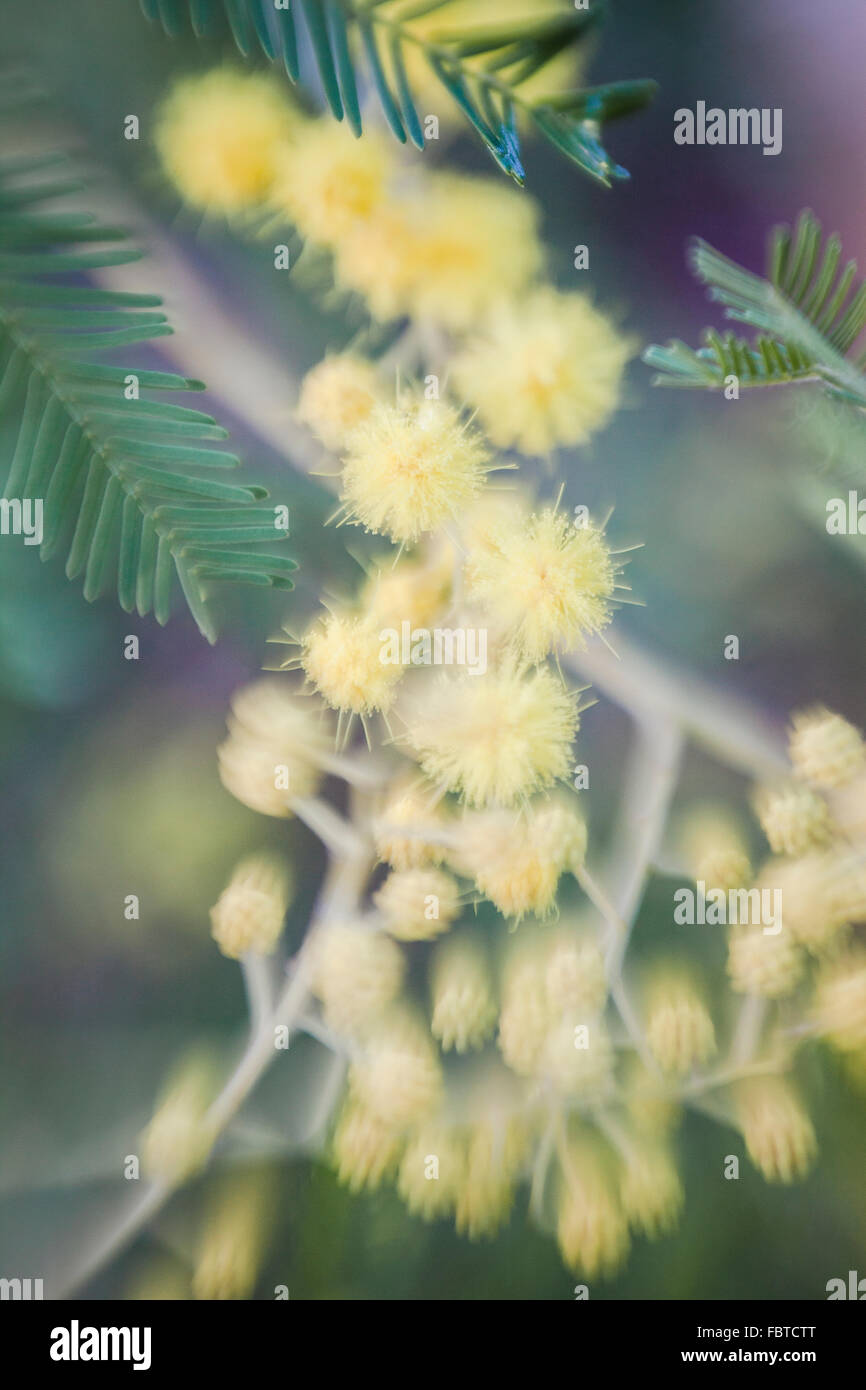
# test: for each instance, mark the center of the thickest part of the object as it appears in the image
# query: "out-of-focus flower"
(445, 252)
(778, 1132)
(525, 1018)
(329, 183)
(272, 755)
(399, 828)
(412, 591)
(516, 859)
(824, 748)
(341, 656)
(486, 1191)
(767, 964)
(496, 738)
(179, 1138)
(432, 1172)
(650, 1189)
(545, 372)
(399, 1077)
(577, 1058)
(679, 1029)
(794, 818)
(220, 137)
(575, 975)
(233, 1239)
(418, 904)
(366, 1149)
(591, 1227)
(813, 910)
(714, 849)
(337, 396)
(356, 973)
(410, 468)
(840, 1002)
(464, 1004)
(249, 913)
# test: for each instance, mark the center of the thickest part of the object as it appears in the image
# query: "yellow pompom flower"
(220, 137)
(824, 748)
(179, 1138)
(476, 240)
(516, 860)
(591, 1227)
(413, 591)
(275, 748)
(545, 372)
(679, 1029)
(812, 894)
(328, 182)
(770, 965)
(464, 1006)
(418, 904)
(575, 973)
(431, 1172)
(650, 1189)
(497, 738)
(446, 252)
(398, 1078)
(356, 974)
(840, 1003)
(341, 656)
(526, 1016)
(794, 818)
(248, 916)
(549, 582)
(411, 468)
(778, 1132)
(714, 849)
(233, 1240)
(577, 1058)
(337, 396)
(365, 1149)
(486, 1190)
(408, 812)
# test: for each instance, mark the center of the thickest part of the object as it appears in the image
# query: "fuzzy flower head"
(769, 965)
(418, 904)
(526, 1016)
(840, 1003)
(410, 468)
(679, 1029)
(824, 748)
(549, 582)
(650, 1188)
(398, 1077)
(486, 1192)
(399, 829)
(794, 818)
(220, 136)
(337, 396)
(497, 738)
(249, 913)
(179, 1138)
(464, 1005)
(516, 860)
(413, 591)
(341, 656)
(545, 373)
(366, 1150)
(778, 1132)
(329, 183)
(445, 252)
(277, 740)
(714, 849)
(356, 974)
(591, 1226)
(432, 1171)
(232, 1243)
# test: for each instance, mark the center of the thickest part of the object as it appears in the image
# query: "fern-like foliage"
(130, 487)
(809, 311)
(488, 93)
